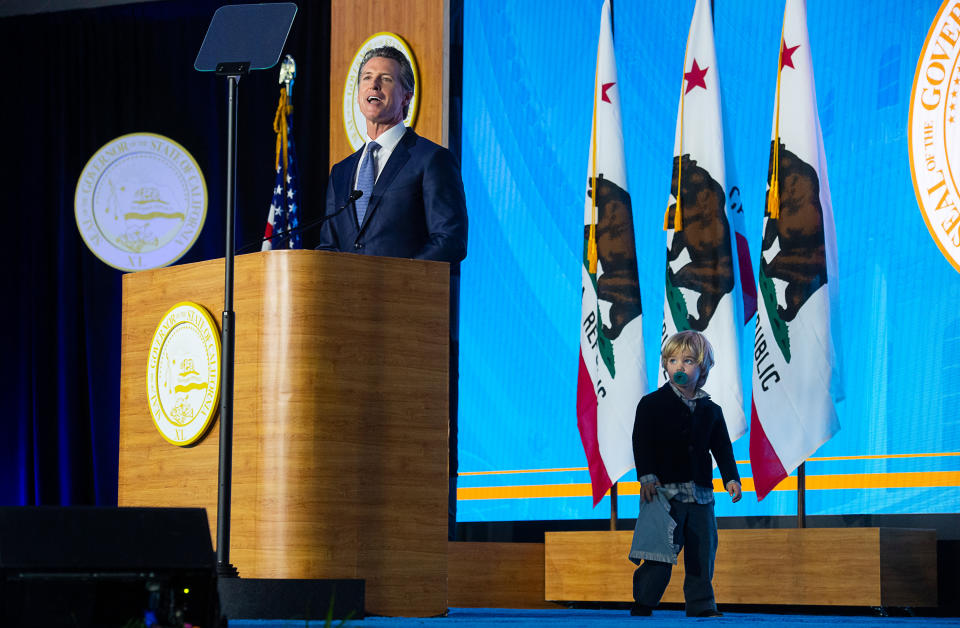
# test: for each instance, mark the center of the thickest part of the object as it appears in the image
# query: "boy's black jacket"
(675, 444)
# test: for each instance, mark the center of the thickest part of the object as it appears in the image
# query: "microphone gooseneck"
(282, 236)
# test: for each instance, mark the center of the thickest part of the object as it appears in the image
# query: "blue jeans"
(697, 533)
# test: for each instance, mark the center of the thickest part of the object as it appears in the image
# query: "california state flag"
(701, 291)
(612, 376)
(796, 375)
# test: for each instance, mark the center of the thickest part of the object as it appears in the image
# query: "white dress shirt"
(388, 140)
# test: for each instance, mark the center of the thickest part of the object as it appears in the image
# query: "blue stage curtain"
(72, 81)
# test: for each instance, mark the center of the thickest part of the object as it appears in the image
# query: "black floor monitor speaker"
(92, 566)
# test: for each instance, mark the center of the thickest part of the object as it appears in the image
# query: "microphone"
(287, 234)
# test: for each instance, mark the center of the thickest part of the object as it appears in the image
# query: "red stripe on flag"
(767, 468)
(587, 424)
(747, 284)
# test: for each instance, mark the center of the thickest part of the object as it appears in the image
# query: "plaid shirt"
(687, 492)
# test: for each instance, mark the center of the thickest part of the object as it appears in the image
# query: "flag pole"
(613, 507)
(801, 495)
(613, 489)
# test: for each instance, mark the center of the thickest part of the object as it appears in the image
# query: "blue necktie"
(365, 181)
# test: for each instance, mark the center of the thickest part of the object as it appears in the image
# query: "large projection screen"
(527, 105)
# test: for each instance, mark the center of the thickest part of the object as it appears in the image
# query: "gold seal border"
(913, 167)
(411, 119)
(203, 211)
(215, 406)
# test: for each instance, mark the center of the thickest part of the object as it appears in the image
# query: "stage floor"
(581, 618)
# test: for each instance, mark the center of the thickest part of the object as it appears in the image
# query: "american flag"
(285, 203)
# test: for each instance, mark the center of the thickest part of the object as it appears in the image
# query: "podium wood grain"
(340, 419)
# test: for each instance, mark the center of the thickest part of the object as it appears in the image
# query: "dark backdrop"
(72, 81)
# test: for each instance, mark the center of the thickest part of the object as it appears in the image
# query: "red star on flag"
(694, 77)
(786, 54)
(603, 94)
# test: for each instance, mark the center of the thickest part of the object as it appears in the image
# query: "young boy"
(676, 429)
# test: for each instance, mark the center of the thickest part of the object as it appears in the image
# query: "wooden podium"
(340, 420)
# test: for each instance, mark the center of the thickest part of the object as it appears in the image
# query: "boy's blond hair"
(692, 342)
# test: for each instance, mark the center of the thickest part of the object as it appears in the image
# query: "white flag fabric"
(796, 375)
(612, 374)
(701, 291)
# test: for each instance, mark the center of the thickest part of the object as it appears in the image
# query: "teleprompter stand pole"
(233, 72)
(240, 38)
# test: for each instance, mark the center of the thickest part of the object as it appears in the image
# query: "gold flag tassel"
(678, 215)
(592, 254)
(592, 241)
(773, 198)
(288, 71)
(280, 128)
(773, 201)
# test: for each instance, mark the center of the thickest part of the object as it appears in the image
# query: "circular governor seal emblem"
(140, 202)
(934, 132)
(353, 121)
(183, 373)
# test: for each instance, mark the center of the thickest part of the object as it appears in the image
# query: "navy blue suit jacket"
(417, 209)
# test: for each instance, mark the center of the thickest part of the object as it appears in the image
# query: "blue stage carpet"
(581, 618)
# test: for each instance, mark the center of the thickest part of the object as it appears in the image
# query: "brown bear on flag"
(700, 282)
(796, 374)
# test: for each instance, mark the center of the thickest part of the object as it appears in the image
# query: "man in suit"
(413, 205)
(411, 202)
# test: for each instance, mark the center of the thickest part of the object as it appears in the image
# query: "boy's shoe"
(639, 610)
(710, 612)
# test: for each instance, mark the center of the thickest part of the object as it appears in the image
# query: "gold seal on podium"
(183, 373)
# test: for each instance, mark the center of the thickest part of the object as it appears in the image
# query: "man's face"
(380, 94)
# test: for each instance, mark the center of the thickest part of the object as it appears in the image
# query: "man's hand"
(649, 490)
(733, 487)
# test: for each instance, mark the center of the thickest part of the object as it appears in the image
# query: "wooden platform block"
(811, 566)
(496, 575)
